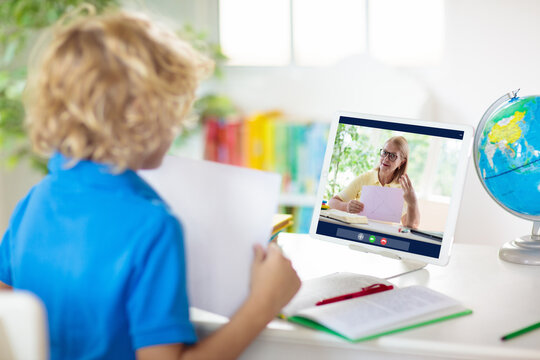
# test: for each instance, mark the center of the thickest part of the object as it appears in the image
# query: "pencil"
(521, 331)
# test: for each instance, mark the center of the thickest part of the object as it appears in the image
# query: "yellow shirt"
(354, 189)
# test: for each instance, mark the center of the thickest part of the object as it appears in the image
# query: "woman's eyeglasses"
(391, 156)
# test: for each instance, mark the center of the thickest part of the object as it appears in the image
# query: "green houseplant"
(20, 22)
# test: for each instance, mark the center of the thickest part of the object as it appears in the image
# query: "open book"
(344, 216)
(370, 316)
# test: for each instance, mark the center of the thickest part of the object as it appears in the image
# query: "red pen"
(372, 289)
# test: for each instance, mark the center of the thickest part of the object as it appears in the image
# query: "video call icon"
(372, 239)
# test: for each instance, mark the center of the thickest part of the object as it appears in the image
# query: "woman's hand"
(410, 219)
(354, 206)
(408, 191)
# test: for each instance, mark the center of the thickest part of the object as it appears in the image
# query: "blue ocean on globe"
(509, 155)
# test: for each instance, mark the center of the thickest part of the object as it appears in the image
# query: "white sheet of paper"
(382, 203)
(224, 210)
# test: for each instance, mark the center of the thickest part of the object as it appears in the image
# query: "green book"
(281, 152)
(371, 316)
(292, 158)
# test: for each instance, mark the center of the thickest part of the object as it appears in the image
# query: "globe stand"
(523, 250)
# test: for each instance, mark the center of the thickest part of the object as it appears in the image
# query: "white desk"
(503, 296)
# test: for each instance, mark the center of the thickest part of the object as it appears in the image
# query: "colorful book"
(269, 141)
(211, 135)
(232, 141)
(317, 138)
(223, 140)
(361, 318)
(280, 152)
(293, 135)
(269, 131)
(254, 141)
(302, 216)
(302, 158)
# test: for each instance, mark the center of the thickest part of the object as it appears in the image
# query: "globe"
(507, 159)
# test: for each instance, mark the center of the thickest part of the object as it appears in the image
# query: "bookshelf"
(272, 141)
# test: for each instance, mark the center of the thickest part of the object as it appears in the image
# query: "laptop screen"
(392, 185)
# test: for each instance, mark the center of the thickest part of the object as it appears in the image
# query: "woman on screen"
(391, 172)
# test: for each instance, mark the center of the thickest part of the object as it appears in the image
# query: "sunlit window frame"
(292, 60)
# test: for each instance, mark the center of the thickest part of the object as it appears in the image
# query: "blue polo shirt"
(105, 255)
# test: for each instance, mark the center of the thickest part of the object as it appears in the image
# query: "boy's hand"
(273, 283)
(273, 279)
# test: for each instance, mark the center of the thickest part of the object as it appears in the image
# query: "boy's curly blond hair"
(111, 88)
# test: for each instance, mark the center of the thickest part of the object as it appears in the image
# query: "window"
(322, 32)
(406, 33)
(327, 31)
(255, 32)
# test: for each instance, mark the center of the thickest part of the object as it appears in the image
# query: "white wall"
(14, 184)
(355, 84)
(491, 48)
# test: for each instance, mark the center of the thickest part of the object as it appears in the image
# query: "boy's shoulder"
(20, 208)
(146, 197)
(127, 195)
(129, 208)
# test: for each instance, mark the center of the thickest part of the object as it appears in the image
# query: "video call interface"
(417, 165)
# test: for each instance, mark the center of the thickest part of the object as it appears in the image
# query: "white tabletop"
(504, 297)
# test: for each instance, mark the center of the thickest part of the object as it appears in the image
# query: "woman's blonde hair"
(403, 147)
(110, 88)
